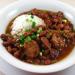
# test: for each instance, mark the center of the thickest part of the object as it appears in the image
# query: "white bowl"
(8, 13)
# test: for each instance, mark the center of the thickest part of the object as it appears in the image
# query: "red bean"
(4, 37)
(47, 62)
(37, 61)
(6, 44)
(27, 33)
(9, 49)
(17, 54)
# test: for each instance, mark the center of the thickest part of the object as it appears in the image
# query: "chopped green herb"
(39, 30)
(33, 36)
(32, 16)
(22, 39)
(42, 50)
(29, 20)
(28, 39)
(33, 24)
(27, 30)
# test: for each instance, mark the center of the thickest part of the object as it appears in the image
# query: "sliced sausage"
(31, 49)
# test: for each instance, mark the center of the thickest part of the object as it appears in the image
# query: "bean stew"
(50, 38)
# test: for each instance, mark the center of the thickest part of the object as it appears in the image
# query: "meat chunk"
(45, 41)
(68, 34)
(11, 50)
(67, 27)
(17, 54)
(57, 40)
(38, 13)
(31, 49)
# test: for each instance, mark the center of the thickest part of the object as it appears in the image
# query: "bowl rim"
(31, 67)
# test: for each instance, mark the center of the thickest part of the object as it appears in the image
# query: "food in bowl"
(39, 37)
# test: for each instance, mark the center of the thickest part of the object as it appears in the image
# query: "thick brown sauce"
(66, 52)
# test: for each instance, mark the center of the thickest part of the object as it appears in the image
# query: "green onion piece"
(42, 50)
(29, 20)
(22, 39)
(33, 36)
(32, 16)
(33, 24)
(27, 30)
(39, 30)
(28, 39)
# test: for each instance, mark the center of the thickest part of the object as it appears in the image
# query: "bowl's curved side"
(18, 7)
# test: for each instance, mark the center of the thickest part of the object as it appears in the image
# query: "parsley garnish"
(39, 30)
(33, 36)
(33, 24)
(32, 16)
(22, 39)
(28, 39)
